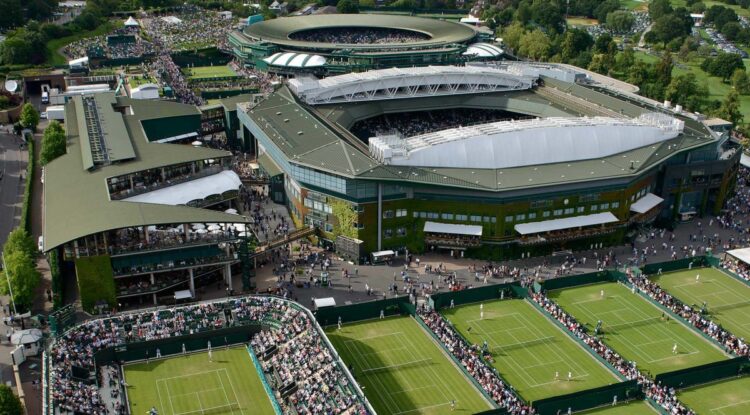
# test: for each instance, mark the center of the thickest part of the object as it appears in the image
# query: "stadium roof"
(295, 60)
(76, 201)
(483, 50)
(441, 32)
(526, 142)
(198, 189)
(324, 144)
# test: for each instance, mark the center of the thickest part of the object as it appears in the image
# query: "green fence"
(473, 295)
(705, 373)
(497, 411)
(698, 261)
(361, 311)
(590, 398)
(575, 280)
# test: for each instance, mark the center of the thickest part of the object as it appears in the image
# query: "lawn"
(728, 397)
(403, 370)
(54, 45)
(199, 72)
(627, 408)
(727, 299)
(581, 21)
(529, 349)
(635, 4)
(634, 328)
(192, 384)
(95, 281)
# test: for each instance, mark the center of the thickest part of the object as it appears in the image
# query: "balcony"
(141, 188)
(158, 262)
(163, 241)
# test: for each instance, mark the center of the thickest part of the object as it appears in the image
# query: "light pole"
(10, 290)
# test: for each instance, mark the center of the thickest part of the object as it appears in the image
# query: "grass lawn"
(403, 370)
(635, 4)
(627, 408)
(728, 397)
(192, 385)
(138, 80)
(727, 298)
(633, 327)
(582, 21)
(529, 349)
(208, 72)
(54, 45)
(95, 281)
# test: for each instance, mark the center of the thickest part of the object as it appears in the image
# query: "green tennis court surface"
(209, 71)
(729, 397)
(403, 370)
(727, 299)
(192, 385)
(529, 350)
(627, 408)
(634, 328)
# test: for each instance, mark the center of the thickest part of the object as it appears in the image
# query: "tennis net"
(389, 368)
(632, 324)
(523, 345)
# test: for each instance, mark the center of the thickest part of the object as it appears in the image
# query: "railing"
(171, 265)
(204, 172)
(297, 234)
(195, 239)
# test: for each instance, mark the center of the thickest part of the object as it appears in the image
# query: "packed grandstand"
(356, 35)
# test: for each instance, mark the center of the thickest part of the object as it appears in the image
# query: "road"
(12, 164)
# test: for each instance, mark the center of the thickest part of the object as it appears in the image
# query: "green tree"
(730, 109)
(535, 45)
(659, 8)
(512, 35)
(24, 278)
(575, 42)
(9, 402)
(12, 15)
(625, 60)
(346, 218)
(347, 7)
(600, 63)
(19, 241)
(685, 90)
(664, 68)
(29, 116)
(723, 65)
(604, 9)
(740, 82)
(620, 21)
(53, 143)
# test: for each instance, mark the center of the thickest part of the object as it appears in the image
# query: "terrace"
(134, 184)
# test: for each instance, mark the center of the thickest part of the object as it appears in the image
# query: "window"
(580, 209)
(432, 215)
(545, 214)
(387, 214)
(388, 233)
(588, 197)
(488, 219)
(400, 213)
(615, 205)
(594, 208)
(520, 217)
(493, 219)
(536, 204)
(359, 226)
(415, 214)
(532, 215)
(462, 218)
(569, 211)
(422, 215)
(401, 232)
(360, 208)
(447, 216)
(476, 218)
(604, 206)
(329, 227)
(557, 212)
(509, 219)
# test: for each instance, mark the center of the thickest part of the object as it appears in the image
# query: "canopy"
(325, 302)
(181, 194)
(79, 62)
(382, 253)
(646, 203)
(745, 160)
(565, 223)
(26, 336)
(742, 254)
(437, 227)
(131, 22)
(182, 295)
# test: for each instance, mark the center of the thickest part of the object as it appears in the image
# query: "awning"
(741, 254)
(745, 160)
(182, 295)
(646, 203)
(325, 302)
(382, 253)
(453, 229)
(565, 223)
(181, 194)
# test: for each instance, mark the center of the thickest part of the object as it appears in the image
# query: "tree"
(53, 143)
(723, 65)
(24, 278)
(535, 45)
(29, 116)
(685, 90)
(548, 15)
(730, 109)
(605, 8)
(12, 15)
(600, 63)
(512, 35)
(347, 7)
(9, 402)
(625, 60)
(663, 73)
(740, 82)
(575, 41)
(659, 8)
(346, 218)
(620, 21)
(731, 30)
(19, 241)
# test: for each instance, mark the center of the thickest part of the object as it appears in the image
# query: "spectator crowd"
(357, 35)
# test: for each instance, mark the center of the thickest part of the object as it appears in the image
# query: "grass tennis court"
(208, 72)
(192, 385)
(634, 328)
(627, 408)
(728, 299)
(529, 350)
(728, 397)
(403, 370)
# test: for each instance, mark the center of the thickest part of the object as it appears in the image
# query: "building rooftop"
(76, 200)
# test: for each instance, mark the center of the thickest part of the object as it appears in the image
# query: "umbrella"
(231, 211)
(26, 336)
(214, 227)
(199, 226)
(201, 231)
(245, 233)
(238, 226)
(197, 143)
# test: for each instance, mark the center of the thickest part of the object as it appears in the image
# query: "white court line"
(188, 376)
(225, 393)
(177, 395)
(231, 385)
(372, 337)
(721, 408)
(560, 380)
(421, 408)
(161, 402)
(355, 354)
(411, 390)
(672, 357)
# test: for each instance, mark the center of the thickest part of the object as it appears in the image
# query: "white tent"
(646, 203)
(145, 91)
(182, 295)
(183, 193)
(131, 22)
(324, 302)
(79, 63)
(742, 254)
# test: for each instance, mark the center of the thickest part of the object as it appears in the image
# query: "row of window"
(458, 217)
(319, 206)
(399, 213)
(560, 212)
(388, 233)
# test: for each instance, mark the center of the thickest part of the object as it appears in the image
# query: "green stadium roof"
(441, 32)
(76, 201)
(316, 137)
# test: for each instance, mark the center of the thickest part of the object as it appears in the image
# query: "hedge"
(57, 280)
(27, 192)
